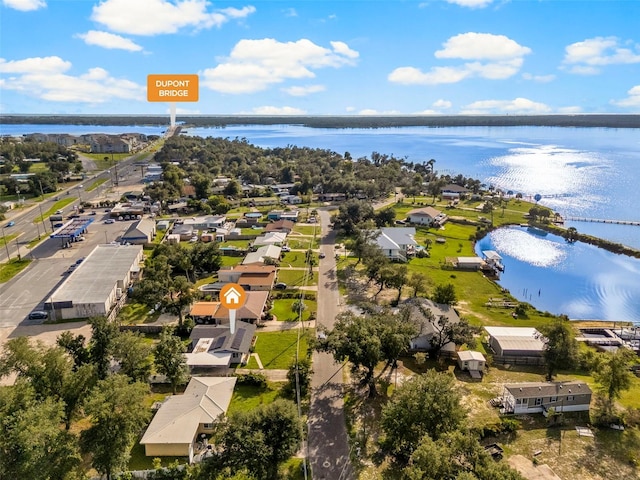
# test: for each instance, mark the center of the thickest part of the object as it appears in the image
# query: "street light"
(44, 225)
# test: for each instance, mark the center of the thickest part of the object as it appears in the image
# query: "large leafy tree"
(428, 404)
(366, 340)
(117, 414)
(260, 440)
(101, 346)
(614, 376)
(169, 358)
(32, 444)
(134, 355)
(445, 293)
(456, 455)
(561, 347)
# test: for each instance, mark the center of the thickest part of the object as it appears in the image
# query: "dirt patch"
(530, 471)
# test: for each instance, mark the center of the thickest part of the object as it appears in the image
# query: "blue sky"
(317, 57)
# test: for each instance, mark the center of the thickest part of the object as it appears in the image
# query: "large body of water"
(581, 172)
(579, 280)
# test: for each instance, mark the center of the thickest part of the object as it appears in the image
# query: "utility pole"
(44, 225)
(4, 239)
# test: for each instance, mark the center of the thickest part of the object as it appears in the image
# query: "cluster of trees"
(60, 161)
(170, 272)
(424, 430)
(57, 386)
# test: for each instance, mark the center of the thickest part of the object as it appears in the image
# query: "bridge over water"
(604, 220)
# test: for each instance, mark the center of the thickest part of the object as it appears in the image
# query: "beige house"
(472, 362)
(176, 425)
(426, 216)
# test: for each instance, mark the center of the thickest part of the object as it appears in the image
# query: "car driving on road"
(38, 315)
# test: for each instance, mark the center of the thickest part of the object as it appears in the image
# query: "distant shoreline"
(435, 121)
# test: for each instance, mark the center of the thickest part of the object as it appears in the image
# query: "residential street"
(328, 442)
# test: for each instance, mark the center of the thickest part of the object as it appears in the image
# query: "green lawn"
(96, 184)
(10, 269)
(277, 350)
(297, 278)
(248, 397)
(135, 313)
(235, 243)
(59, 205)
(228, 261)
(306, 229)
(139, 461)
(303, 243)
(5, 239)
(295, 259)
(283, 312)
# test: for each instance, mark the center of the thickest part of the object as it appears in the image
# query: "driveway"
(328, 442)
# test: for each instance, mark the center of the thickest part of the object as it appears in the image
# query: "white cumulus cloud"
(109, 40)
(539, 78)
(522, 106)
(154, 17)
(588, 56)
(25, 5)
(302, 91)
(632, 101)
(442, 104)
(254, 65)
(45, 78)
(471, 3)
(488, 56)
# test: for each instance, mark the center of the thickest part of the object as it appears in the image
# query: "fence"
(514, 360)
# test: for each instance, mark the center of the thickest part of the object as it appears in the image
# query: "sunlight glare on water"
(528, 248)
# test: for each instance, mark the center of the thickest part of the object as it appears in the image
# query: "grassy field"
(59, 205)
(10, 269)
(283, 312)
(248, 397)
(135, 313)
(303, 243)
(277, 350)
(306, 229)
(228, 261)
(297, 278)
(295, 259)
(7, 239)
(96, 184)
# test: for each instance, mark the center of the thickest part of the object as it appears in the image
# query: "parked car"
(93, 212)
(109, 220)
(280, 286)
(38, 315)
(58, 225)
(285, 248)
(322, 255)
(10, 224)
(79, 261)
(58, 212)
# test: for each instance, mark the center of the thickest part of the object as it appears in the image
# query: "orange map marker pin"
(232, 297)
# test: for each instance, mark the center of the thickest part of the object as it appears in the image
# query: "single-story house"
(468, 263)
(283, 215)
(209, 222)
(254, 277)
(259, 256)
(251, 312)
(427, 216)
(204, 312)
(270, 238)
(140, 232)
(427, 329)
(539, 397)
(214, 346)
(471, 361)
(285, 226)
(163, 225)
(185, 231)
(181, 418)
(453, 191)
(397, 243)
(332, 197)
(516, 341)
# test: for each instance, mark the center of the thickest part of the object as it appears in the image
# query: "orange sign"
(172, 88)
(232, 296)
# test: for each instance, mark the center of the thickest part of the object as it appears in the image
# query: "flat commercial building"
(97, 284)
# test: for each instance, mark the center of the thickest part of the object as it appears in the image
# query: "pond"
(580, 280)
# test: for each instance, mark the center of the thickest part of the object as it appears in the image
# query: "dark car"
(322, 255)
(280, 286)
(10, 224)
(38, 315)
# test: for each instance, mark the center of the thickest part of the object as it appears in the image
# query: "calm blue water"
(586, 172)
(579, 280)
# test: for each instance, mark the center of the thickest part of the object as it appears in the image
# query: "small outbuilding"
(472, 362)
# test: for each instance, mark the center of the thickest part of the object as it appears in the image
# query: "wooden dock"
(604, 220)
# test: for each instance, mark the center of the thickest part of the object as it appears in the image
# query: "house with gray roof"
(214, 346)
(516, 341)
(423, 342)
(179, 421)
(539, 397)
(140, 232)
(397, 243)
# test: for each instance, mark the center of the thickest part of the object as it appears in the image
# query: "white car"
(286, 248)
(109, 220)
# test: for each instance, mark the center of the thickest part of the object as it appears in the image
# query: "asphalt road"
(328, 442)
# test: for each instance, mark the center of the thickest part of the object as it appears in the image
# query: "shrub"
(252, 379)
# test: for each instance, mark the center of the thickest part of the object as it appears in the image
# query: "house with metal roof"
(539, 397)
(180, 419)
(397, 243)
(516, 341)
(422, 342)
(270, 238)
(259, 256)
(472, 362)
(140, 232)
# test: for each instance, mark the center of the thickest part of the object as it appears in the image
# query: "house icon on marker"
(232, 296)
